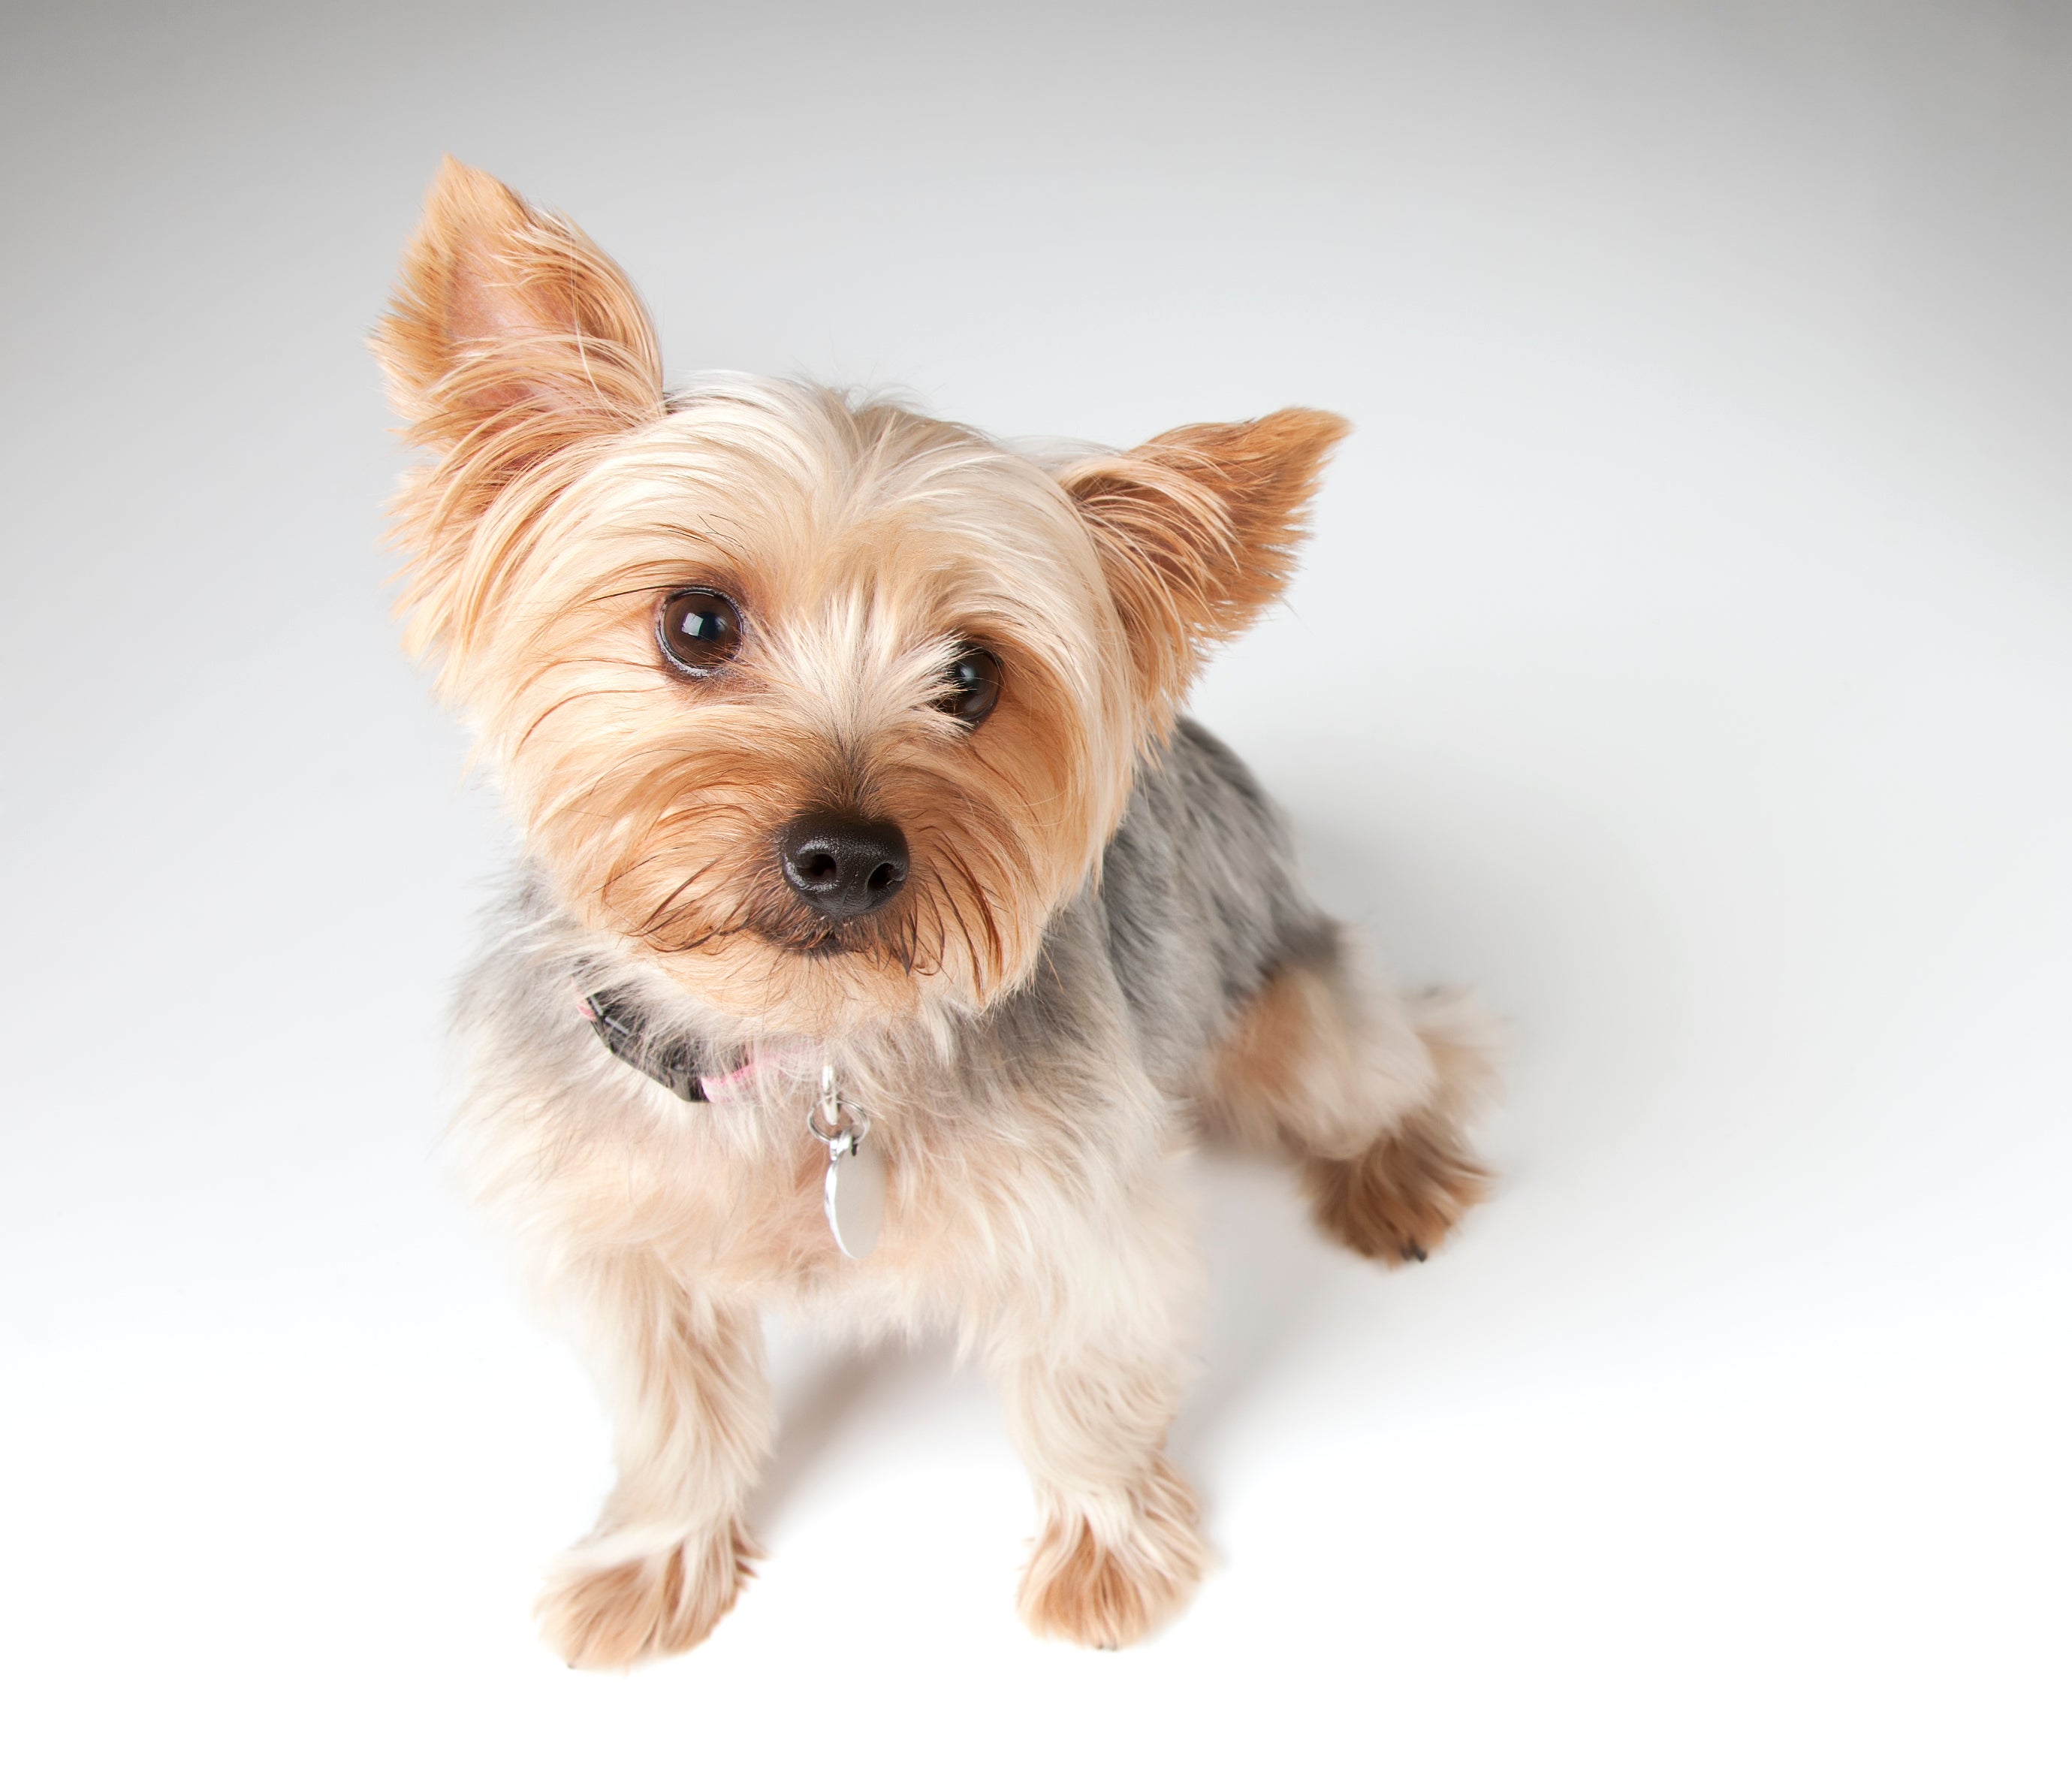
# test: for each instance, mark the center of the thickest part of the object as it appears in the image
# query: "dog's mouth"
(824, 938)
(913, 936)
(852, 949)
(828, 941)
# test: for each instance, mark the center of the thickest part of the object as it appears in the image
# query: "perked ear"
(512, 339)
(511, 334)
(1197, 533)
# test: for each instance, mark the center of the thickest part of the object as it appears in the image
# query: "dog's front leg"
(683, 1377)
(1088, 1402)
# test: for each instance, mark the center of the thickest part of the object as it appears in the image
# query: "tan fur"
(562, 498)
(635, 1610)
(1373, 1111)
(1106, 1588)
(512, 346)
(1197, 531)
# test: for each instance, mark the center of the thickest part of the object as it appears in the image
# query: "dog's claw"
(1413, 1251)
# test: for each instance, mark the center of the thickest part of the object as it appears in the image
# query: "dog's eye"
(698, 629)
(973, 687)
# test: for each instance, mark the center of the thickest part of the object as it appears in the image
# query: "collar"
(695, 1072)
(681, 1067)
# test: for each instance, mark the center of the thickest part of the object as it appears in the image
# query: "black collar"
(678, 1066)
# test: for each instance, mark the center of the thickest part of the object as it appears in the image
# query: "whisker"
(971, 950)
(592, 691)
(668, 901)
(999, 949)
(551, 662)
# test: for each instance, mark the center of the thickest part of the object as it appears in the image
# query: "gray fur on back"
(1198, 901)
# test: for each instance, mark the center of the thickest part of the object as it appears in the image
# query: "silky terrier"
(882, 929)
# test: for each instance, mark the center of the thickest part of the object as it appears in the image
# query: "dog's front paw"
(622, 1598)
(1106, 1577)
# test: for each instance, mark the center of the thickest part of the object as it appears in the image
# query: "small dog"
(871, 878)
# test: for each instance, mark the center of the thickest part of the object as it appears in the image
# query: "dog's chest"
(738, 1200)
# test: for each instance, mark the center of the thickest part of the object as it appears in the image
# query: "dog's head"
(825, 707)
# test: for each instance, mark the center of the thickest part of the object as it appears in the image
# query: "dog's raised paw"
(1401, 1197)
(603, 1607)
(1110, 1589)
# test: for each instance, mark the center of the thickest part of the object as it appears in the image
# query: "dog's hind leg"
(1368, 1091)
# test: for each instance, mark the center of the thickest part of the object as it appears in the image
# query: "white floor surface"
(1684, 657)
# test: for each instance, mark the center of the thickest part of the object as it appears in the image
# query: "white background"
(1683, 657)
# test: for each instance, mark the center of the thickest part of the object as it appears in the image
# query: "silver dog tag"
(855, 1195)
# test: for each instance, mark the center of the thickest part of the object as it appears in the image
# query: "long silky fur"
(1099, 952)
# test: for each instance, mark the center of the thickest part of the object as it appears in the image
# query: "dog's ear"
(511, 340)
(1197, 532)
(512, 335)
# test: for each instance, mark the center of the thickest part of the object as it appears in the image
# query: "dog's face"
(824, 708)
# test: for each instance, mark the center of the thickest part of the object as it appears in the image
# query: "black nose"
(842, 867)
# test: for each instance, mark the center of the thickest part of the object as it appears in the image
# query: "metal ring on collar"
(854, 1125)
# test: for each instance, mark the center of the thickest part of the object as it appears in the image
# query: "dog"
(883, 929)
